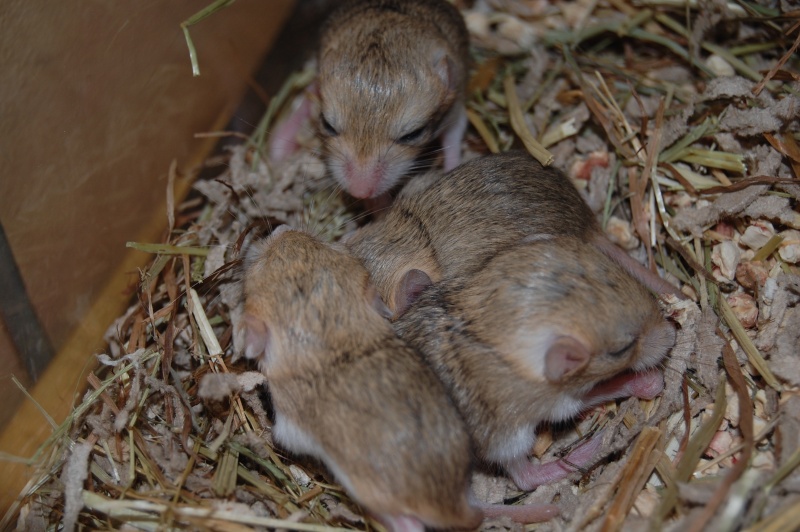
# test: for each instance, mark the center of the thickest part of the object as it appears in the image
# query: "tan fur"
(475, 332)
(370, 407)
(381, 64)
(450, 226)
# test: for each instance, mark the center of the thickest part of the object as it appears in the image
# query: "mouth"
(642, 384)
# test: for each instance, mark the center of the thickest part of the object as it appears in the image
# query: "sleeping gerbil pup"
(392, 78)
(543, 331)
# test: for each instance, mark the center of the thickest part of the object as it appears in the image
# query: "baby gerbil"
(349, 392)
(442, 227)
(544, 330)
(392, 78)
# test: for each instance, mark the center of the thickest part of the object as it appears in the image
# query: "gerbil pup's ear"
(257, 337)
(565, 356)
(410, 287)
(444, 67)
(376, 301)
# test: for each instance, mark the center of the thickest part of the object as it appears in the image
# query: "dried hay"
(680, 127)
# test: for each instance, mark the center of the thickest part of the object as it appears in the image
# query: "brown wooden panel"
(96, 101)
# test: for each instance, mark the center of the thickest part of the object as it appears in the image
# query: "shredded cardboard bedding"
(679, 125)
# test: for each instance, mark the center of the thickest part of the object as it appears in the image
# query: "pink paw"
(528, 476)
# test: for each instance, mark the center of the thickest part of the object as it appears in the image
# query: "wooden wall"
(97, 99)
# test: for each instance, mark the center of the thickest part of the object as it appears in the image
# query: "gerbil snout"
(654, 345)
(366, 178)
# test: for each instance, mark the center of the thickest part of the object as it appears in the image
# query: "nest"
(678, 124)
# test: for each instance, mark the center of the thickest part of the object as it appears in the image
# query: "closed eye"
(619, 353)
(412, 137)
(327, 128)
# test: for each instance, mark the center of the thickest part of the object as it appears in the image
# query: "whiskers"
(426, 157)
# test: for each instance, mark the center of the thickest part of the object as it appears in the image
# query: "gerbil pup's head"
(386, 83)
(569, 317)
(300, 292)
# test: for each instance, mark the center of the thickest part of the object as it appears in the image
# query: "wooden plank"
(95, 103)
(95, 178)
(64, 380)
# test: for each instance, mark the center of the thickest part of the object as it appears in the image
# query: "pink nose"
(363, 180)
(361, 189)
